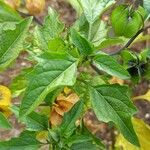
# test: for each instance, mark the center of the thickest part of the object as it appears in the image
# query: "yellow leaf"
(145, 96)
(5, 96)
(143, 133)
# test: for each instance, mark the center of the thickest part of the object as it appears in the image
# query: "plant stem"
(124, 47)
(130, 41)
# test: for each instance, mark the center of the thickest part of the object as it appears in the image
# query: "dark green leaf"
(111, 103)
(11, 42)
(36, 122)
(52, 71)
(81, 43)
(111, 66)
(4, 122)
(27, 140)
(69, 119)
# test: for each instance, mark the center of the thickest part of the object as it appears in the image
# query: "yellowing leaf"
(143, 133)
(5, 96)
(145, 96)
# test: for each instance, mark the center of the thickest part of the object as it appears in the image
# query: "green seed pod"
(125, 21)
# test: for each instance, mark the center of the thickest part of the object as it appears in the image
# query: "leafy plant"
(71, 73)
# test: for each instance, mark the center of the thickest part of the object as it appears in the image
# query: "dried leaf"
(115, 80)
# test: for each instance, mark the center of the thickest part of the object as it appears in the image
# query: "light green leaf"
(8, 14)
(111, 66)
(81, 43)
(51, 29)
(114, 106)
(53, 70)
(26, 141)
(36, 122)
(68, 124)
(11, 42)
(94, 8)
(4, 122)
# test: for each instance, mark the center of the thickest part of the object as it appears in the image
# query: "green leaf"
(111, 66)
(4, 122)
(36, 122)
(57, 45)
(84, 146)
(68, 124)
(94, 8)
(81, 43)
(114, 106)
(78, 139)
(146, 5)
(11, 42)
(27, 140)
(108, 42)
(52, 71)
(8, 14)
(51, 29)
(98, 32)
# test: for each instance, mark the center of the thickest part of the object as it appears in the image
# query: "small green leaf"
(4, 122)
(111, 66)
(55, 70)
(11, 42)
(81, 43)
(8, 14)
(51, 29)
(111, 103)
(94, 8)
(69, 119)
(36, 122)
(27, 140)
